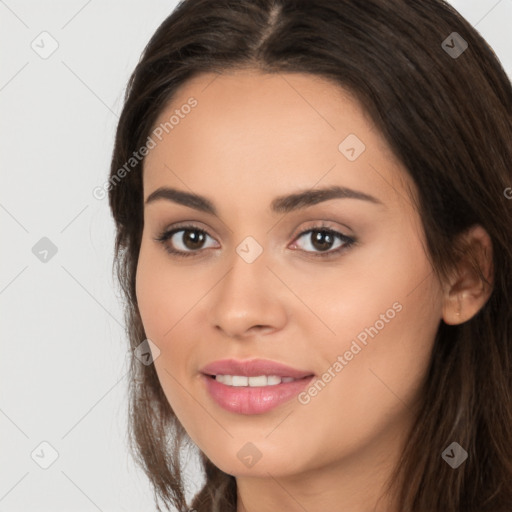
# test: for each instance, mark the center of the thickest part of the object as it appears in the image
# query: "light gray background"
(64, 358)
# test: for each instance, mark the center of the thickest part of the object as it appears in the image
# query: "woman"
(314, 239)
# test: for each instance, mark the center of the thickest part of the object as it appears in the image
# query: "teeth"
(262, 380)
(259, 381)
(238, 380)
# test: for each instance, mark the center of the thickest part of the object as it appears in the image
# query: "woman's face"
(359, 313)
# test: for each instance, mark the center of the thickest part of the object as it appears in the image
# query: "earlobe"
(467, 291)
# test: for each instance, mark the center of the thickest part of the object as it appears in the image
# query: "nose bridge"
(246, 296)
(248, 276)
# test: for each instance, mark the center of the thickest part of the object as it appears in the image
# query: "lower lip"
(253, 400)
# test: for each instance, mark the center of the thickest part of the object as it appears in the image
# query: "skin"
(250, 138)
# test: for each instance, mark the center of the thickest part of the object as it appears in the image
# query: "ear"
(466, 293)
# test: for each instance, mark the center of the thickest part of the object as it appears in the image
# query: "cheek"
(166, 300)
(160, 307)
(161, 295)
(385, 352)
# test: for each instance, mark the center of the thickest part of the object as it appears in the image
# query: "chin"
(248, 461)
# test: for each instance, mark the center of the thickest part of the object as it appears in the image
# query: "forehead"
(257, 133)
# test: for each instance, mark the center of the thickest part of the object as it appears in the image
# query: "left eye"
(321, 240)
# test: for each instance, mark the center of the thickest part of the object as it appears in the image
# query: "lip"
(253, 368)
(249, 399)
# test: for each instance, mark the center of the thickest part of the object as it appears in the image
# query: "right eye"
(188, 243)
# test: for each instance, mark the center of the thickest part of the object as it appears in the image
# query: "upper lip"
(253, 368)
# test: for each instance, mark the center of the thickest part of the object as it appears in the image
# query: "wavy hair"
(448, 120)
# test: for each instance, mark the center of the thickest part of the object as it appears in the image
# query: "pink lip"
(249, 399)
(253, 368)
(253, 400)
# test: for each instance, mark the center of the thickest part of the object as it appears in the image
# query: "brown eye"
(184, 241)
(192, 239)
(321, 240)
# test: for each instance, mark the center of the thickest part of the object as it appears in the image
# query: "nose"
(249, 300)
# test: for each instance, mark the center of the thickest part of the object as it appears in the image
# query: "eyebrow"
(281, 204)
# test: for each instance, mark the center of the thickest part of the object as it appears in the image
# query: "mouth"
(253, 386)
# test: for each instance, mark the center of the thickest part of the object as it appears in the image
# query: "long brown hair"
(446, 113)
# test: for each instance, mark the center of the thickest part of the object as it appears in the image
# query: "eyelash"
(166, 235)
